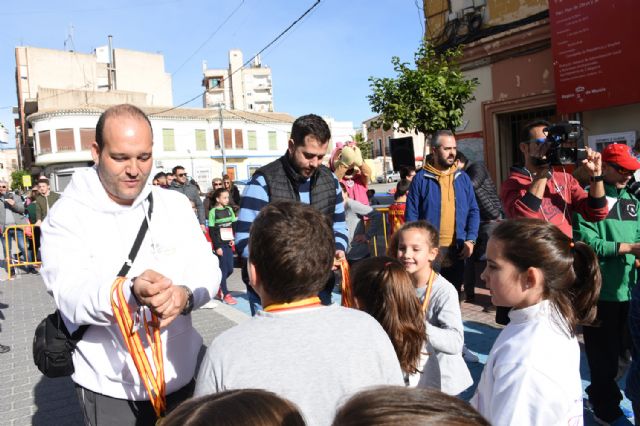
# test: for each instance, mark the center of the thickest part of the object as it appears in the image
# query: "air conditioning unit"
(159, 164)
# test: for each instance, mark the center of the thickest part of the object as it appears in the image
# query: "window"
(239, 141)
(273, 141)
(252, 170)
(253, 141)
(387, 147)
(87, 137)
(379, 147)
(201, 140)
(216, 138)
(45, 142)
(168, 140)
(64, 140)
(228, 143)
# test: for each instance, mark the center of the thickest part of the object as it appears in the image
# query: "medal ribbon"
(153, 382)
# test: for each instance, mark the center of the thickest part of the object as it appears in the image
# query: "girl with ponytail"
(532, 375)
(383, 288)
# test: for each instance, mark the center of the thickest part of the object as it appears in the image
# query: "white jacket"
(86, 238)
(532, 375)
(444, 368)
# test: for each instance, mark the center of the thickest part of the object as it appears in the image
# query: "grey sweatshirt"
(315, 357)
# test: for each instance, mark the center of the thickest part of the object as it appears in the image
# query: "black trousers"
(604, 345)
(99, 409)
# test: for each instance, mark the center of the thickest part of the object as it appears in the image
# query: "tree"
(364, 145)
(16, 178)
(424, 99)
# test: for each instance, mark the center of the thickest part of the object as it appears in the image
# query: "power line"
(248, 61)
(208, 38)
(256, 122)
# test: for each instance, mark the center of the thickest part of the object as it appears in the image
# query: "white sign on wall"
(598, 142)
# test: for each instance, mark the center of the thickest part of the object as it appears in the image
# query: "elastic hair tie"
(387, 264)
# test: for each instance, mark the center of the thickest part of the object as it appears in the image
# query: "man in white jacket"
(86, 238)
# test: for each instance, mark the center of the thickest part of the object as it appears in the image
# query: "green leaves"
(426, 98)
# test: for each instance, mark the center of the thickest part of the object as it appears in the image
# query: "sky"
(320, 66)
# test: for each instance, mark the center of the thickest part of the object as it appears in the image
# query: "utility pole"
(224, 155)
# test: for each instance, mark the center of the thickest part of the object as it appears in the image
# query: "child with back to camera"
(532, 375)
(311, 354)
(382, 288)
(415, 245)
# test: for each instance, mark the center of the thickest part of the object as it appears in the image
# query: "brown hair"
(217, 193)
(571, 273)
(396, 405)
(254, 407)
(432, 235)
(119, 111)
(383, 289)
(292, 247)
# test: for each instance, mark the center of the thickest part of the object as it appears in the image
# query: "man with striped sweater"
(300, 176)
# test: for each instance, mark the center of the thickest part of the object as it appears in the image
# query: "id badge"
(226, 234)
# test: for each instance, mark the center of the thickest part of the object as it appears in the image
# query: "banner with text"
(595, 53)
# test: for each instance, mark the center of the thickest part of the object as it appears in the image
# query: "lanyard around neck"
(298, 304)
(427, 294)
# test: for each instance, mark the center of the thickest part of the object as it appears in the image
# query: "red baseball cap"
(620, 154)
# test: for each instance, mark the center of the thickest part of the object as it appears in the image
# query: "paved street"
(26, 397)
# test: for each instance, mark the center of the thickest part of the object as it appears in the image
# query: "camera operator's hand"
(629, 248)
(593, 162)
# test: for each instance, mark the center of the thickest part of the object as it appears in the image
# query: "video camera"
(564, 143)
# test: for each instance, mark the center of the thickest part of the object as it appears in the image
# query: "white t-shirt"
(532, 375)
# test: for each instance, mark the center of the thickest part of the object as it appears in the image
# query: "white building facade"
(191, 138)
(240, 88)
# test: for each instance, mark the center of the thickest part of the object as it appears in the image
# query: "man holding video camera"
(538, 191)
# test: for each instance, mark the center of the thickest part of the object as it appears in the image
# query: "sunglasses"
(181, 174)
(217, 184)
(621, 170)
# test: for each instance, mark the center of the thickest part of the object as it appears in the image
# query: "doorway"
(509, 134)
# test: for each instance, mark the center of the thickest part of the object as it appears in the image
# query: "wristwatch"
(598, 178)
(189, 306)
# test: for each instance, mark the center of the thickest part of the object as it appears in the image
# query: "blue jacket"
(424, 198)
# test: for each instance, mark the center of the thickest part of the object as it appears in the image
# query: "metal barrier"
(384, 210)
(27, 251)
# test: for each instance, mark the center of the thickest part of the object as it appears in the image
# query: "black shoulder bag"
(53, 345)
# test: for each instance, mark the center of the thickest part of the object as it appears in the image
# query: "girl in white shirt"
(532, 375)
(415, 244)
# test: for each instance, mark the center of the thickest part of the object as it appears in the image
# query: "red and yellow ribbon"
(153, 381)
(298, 304)
(347, 292)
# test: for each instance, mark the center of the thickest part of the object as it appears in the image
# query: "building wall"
(143, 72)
(521, 76)
(484, 92)
(612, 120)
(8, 163)
(201, 164)
(505, 11)
(58, 69)
(245, 89)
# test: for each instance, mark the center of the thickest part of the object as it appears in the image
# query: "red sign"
(596, 58)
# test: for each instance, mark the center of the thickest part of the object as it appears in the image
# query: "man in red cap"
(614, 240)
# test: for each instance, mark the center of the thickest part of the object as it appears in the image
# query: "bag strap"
(138, 242)
(144, 226)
